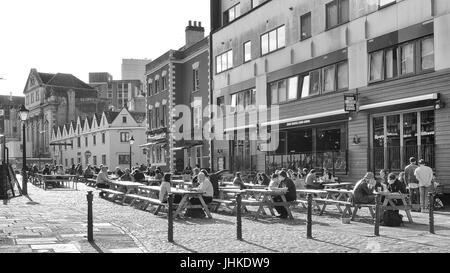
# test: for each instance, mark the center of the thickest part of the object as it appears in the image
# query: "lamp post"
(23, 113)
(131, 144)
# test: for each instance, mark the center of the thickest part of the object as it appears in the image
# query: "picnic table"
(316, 194)
(390, 199)
(121, 188)
(65, 180)
(264, 198)
(346, 185)
(337, 197)
(151, 196)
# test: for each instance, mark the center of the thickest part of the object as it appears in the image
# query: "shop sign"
(350, 102)
(301, 122)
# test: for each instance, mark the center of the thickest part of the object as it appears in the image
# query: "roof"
(67, 80)
(98, 118)
(16, 101)
(46, 77)
(90, 119)
(111, 116)
(138, 116)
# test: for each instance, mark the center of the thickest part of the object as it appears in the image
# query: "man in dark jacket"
(364, 190)
(291, 194)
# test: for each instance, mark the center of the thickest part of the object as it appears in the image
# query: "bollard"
(170, 216)
(431, 210)
(90, 224)
(309, 219)
(239, 217)
(377, 215)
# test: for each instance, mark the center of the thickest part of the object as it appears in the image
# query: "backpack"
(392, 219)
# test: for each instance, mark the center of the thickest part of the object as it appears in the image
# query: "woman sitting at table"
(138, 176)
(102, 180)
(88, 173)
(60, 170)
(126, 176)
(311, 181)
(238, 181)
(119, 172)
(274, 182)
(195, 182)
(328, 177)
(166, 188)
(364, 190)
(208, 192)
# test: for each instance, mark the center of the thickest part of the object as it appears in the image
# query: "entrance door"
(393, 142)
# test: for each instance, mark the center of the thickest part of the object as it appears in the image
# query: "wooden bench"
(149, 201)
(325, 202)
(227, 203)
(114, 194)
(357, 207)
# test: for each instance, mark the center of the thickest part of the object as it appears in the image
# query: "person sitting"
(89, 173)
(79, 170)
(138, 176)
(46, 170)
(103, 180)
(166, 189)
(238, 181)
(126, 176)
(311, 181)
(299, 183)
(60, 170)
(208, 192)
(266, 180)
(195, 182)
(396, 186)
(158, 174)
(291, 195)
(328, 177)
(304, 173)
(381, 182)
(188, 170)
(364, 192)
(275, 182)
(119, 172)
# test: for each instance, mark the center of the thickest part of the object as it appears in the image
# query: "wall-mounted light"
(356, 140)
(439, 105)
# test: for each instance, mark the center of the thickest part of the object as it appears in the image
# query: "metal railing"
(334, 161)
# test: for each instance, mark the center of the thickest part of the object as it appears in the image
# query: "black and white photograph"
(224, 133)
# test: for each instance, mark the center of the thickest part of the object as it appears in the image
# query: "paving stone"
(29, 241)
(58, 248)
(126, 250)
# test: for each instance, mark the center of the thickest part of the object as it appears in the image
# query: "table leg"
(287, 207)
(181, 206)
(205, 207)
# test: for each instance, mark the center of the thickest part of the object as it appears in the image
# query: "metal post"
(309, 218)
(90, 224)
(431, 210)
(130, 157)
(239, 217)
(24, 162)
(170, 216)
(377, 215)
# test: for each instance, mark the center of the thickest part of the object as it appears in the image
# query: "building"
(304, 56)
(134, 69)
(11, 127)
(179, 77)
(53, 100)
(118, 93)
(100, 139)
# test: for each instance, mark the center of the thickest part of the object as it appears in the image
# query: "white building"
(101, 139)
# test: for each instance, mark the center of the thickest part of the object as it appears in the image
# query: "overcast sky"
(82, 36)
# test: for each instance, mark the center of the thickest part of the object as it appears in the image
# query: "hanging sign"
(350, 102)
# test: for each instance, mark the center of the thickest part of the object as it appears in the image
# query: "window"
(383, 3)
(104, 159)
(273, 40)
(342, 76)
(305, 86)
(337, 12)
(315, 85)
(407, 58)
(103, 138)
(284, 90)
(305, 22)
(197, 118)
(164, 83)
(86, 141)
(124, 159)
(150, 119)
(72, 161)
(94, 139)
(94, 160)
(79, 142)
(255, 3)
(231, 14)
(244, 100)
(427, 53)
(195, 80)
(402, 60)
(164, 116)
(157, 120)
(156, 86)
(150, 89)
(233, 103)
(247, 51)
(124, 119)
(329, 79)
(66, 161)
(221, 106)
(224, 61)
(124, 137)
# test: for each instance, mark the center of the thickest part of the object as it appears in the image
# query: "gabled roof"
(138, 117)
(90, 119)
(98, 118)
(111, 116)
(67, 80)
(46, 77)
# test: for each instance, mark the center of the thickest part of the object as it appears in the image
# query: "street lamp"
(131, 144)
(23, 114)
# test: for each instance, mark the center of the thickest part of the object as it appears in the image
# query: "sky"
(82, 36)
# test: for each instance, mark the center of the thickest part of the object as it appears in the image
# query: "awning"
(157, 139)
(186, 144)
(304, 118)
(434, 96)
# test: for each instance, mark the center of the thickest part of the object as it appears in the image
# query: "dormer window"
(124, 119)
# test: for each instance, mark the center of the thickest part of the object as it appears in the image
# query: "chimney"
(194, 33)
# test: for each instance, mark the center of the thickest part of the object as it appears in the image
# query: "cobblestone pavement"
(218, 235)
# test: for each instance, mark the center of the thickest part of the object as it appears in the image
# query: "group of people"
(417, 180)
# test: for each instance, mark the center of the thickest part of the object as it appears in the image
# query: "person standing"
(424, 175)
(412, 183)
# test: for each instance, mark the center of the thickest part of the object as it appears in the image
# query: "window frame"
(245, 55)
(126, 135)
(268, 40)
(221, 56)
(226, 14)
(196, 80)
(339, 14)
(380, 6)
(308, 14)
